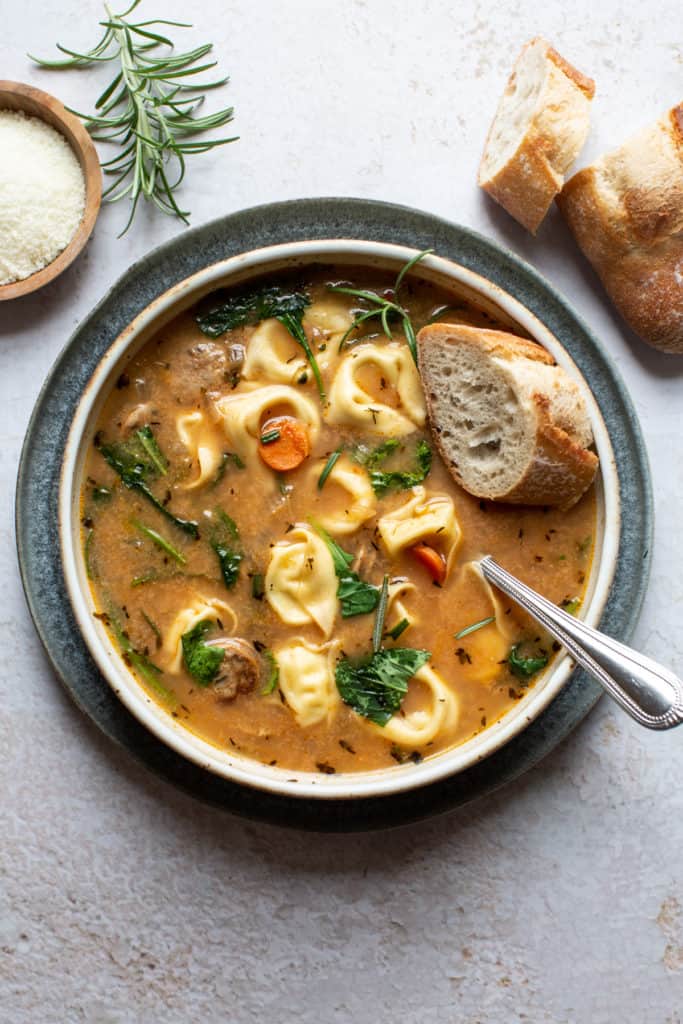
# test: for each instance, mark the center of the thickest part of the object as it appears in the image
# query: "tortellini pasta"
(243, 412)
(421, 518)
(203, 443)
(361, 503)
(307, 680)
(300, 584)
(200, 609)
(330, 317)
(420, 726)
(356, 402)
(274, 355)
(488, 646)
(396, 609)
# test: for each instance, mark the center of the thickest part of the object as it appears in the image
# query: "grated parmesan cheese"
(42, 195)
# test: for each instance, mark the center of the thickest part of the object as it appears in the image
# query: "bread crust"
(559, 471)
(626, 213)
(530, 179)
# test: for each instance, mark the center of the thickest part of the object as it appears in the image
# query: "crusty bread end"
(539, 129)
(626, 213)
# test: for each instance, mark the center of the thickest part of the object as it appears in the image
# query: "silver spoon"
(650, 693)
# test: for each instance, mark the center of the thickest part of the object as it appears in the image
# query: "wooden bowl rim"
(81, 143)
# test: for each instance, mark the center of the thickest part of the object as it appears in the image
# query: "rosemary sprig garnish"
(384, 307)
(148, 109)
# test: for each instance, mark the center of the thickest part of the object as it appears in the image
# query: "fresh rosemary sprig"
(148, 109)
(384, 307)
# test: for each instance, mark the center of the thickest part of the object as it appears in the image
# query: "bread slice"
(540, 126)
(626, 212)
(509, 423)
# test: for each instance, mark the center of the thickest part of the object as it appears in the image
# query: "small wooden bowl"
(15, 96)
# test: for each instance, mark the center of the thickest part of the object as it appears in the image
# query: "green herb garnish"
(141, 664)
(148, 109)
(153, 626)
(100, 494)
(329, 466)
(270, 436)
(385, 480)
(253, 306)
(383, 307)
(224, 538)
(376, 686)
(525, 668)
(571, 605)
(87, 552)
(356, 597)
(378, 631)
(133, 465)
(202, 660)
(474, 627)
(146, 577)
(161, 542)
(150, 446)
(257, 586)
(398, 629)
(273, 675)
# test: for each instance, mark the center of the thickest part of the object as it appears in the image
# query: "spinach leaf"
(376, 686)
(140, 663)
(525, 668)
(132, 463)
(263, 304)
(385, 480)
(356, 596)
(202, 661)
(223, 539)
(273, 675)
(148, 443)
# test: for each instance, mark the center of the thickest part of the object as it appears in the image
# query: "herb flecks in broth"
(296, 670)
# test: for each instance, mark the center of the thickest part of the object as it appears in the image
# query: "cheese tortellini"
(360, 503)
(488, 646)
(201, 608)
(356, 391)
(301, 584)
(307, 680)
(420, 726)
(421, 518)
(243, 412)
(203, 443)
(329, 317)
(396, 608)
(274, 355)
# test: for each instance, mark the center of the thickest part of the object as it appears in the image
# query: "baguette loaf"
(626, 212)
(540, 126)
(509, 423)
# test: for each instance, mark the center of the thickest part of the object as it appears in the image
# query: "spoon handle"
(648, 692)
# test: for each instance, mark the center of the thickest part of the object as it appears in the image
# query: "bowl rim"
(52, 111)
(243, 770)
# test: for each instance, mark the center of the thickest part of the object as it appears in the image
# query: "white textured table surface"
(559, 899)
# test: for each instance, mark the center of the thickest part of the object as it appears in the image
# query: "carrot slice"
(287, 443)
(432, 560)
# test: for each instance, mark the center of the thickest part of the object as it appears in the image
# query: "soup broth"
(192, 539)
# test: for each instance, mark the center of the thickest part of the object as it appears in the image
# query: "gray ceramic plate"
(252, 229)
